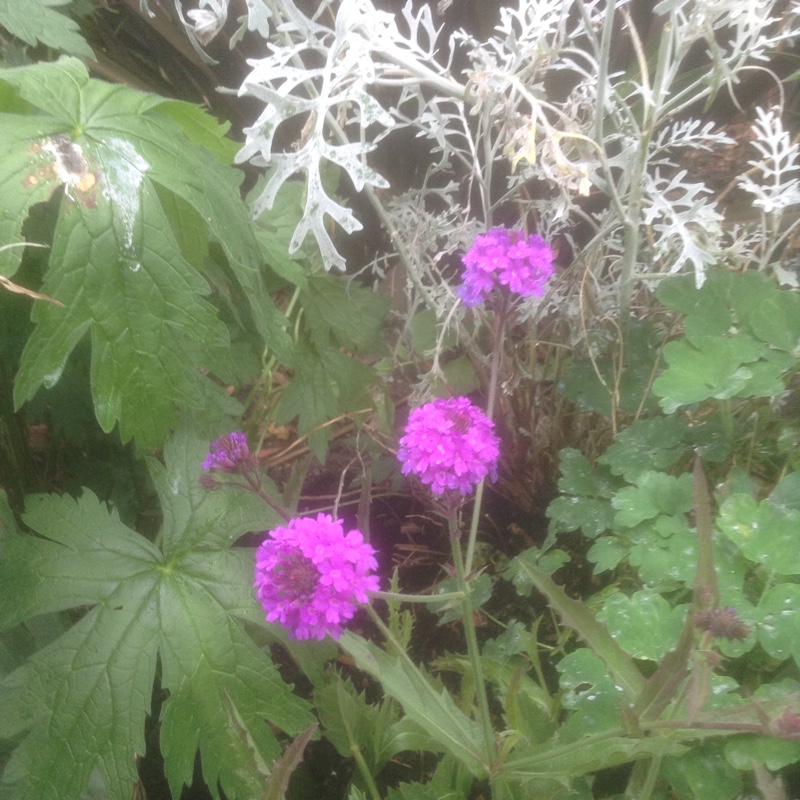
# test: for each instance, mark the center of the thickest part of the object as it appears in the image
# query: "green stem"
(255, 486)
(726, 414)
(417, 598)
(365, 773)
(473, 528)
(473, 652)
(494, 382)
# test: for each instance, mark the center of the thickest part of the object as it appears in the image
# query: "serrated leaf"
(80, 702)
(35, 23)
(665, 550)
(606, 553)
(22, 187)
(350, 721)
(525, 573)
(588, 754)
(349, 313)
(115, 262)
(324, 386)
(435, 711)
(579, 477)
(139, 307)
(278, 781)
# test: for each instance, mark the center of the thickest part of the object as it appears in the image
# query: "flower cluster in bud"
(229, 453)
(723, 623)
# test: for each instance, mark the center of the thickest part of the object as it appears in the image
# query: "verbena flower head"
(229, 453)
(503, 257)
(310, 575)
(450, 445)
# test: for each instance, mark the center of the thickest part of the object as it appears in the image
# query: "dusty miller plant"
(543, 121)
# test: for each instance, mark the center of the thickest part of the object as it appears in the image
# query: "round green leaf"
(764, 532)
(643, 624)
(777, 614)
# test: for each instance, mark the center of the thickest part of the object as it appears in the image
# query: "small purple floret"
(503, 257)
(450, 445)
(310, 575)
(229, 453)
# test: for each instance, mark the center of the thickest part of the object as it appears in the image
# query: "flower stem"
(473, 652)
(365, 772)
(494, 382)
(255, 487)
(417, 598)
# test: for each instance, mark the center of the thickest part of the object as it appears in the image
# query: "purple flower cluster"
(503, 257)
(229, 453)
(310, 575)
(450, 445)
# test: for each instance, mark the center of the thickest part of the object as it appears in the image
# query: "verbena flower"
(229, 453)
(503, 257)
(310, 575)
(450, 445)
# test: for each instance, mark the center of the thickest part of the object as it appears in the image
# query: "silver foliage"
(537, 104)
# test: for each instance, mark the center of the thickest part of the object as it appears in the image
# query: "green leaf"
(525, 573)
(655, 493)
(702, 772)
(348, 313)
(35, 22)
(587, 754)
(712, 367)
(588, 514)
(777, 613)
(736, 326)
(786, 495)
(764, 532)
(579, 477)
(434, 710)
(80, 702)
(590, 693)
(140, 306)
(350, 721)
(664, 550)
(26, 180)
(776, 319)
(425, 333)
(648, 444)
(324, 386)
(8, 524)
(773, 753)
(132, 180)
(606, 553)
(421, 791)
(626, 375)
(644, 624)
